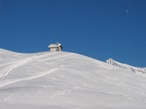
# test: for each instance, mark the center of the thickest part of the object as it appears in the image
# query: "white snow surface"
(63, 80)
(137, 70)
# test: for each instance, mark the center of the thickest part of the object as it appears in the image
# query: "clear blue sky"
(97, 28)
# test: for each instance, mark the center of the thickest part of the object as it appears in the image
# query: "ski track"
(4, 83)
(1, 65)
(7, 70)
(29, 58)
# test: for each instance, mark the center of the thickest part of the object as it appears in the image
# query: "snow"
(63, 80)
(54, 45)
(137, 70)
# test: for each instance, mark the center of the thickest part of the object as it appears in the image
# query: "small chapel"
(56, 47)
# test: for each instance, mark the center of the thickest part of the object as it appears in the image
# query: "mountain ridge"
(125, 66)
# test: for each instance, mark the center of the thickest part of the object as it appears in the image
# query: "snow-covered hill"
(63, 80)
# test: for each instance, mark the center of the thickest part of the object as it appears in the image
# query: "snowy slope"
(64, 80)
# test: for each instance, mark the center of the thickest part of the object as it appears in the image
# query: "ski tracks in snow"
(7, 70)
(4, 83)
(13, 65)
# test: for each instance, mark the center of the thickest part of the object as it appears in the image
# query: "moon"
(127, 11)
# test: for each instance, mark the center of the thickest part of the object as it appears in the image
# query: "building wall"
(55, 49)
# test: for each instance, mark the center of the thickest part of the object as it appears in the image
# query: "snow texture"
(63, 80)
(126, 67)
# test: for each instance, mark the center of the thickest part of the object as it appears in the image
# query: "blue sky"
(100, 29)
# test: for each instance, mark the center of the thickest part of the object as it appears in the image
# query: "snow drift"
(63, 80)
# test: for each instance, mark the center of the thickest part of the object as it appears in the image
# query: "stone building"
(57, 47)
